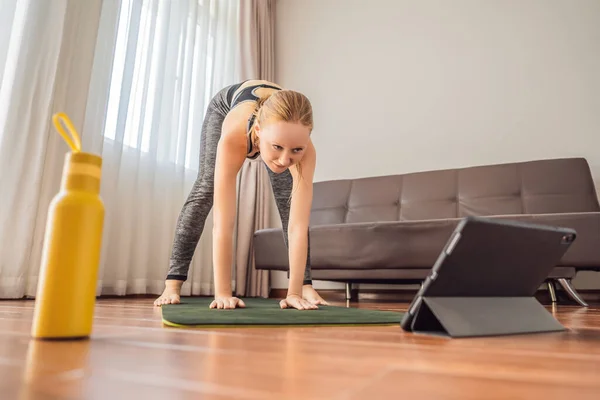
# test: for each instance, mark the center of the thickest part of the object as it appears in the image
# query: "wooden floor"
(132, 356)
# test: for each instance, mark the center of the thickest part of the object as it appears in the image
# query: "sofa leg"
(566, 285)
(551, 290)
(348, 291)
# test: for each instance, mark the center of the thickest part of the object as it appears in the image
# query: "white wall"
(417, 85)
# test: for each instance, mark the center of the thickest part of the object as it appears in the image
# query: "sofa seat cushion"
(410, 244)
(373, 245)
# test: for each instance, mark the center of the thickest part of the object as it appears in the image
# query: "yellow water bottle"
(66, 291)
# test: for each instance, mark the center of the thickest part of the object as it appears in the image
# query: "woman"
(244, 121)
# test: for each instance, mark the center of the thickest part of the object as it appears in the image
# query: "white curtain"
(135, 78)
(255, 204)
(45, 60)
(146, 107)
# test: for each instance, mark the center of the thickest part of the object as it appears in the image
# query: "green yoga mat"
(195, 312)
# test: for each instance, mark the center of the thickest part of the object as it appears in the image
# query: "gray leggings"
(192, 217)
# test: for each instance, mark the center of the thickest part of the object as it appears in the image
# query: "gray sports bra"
(247, 94)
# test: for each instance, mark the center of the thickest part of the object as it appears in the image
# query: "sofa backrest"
(532, 187)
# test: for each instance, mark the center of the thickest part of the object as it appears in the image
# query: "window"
(163, 71)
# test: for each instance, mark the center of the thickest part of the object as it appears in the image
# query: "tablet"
(487, 268)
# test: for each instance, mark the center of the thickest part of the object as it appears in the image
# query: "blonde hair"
(283, 105)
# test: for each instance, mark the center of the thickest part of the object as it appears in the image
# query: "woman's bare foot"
(171, 294)
(310, 294)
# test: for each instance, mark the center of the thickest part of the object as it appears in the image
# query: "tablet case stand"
(482, 316)
(485, 279)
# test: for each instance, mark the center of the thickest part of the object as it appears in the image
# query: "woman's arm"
(302, 194)
(230, 157)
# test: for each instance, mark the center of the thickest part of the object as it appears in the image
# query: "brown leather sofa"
(391, 229)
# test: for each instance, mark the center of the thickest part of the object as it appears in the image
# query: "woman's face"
(282, 144)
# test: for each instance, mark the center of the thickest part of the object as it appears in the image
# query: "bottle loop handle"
(75, 143)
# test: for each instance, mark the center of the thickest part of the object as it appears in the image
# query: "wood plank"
(132, 355)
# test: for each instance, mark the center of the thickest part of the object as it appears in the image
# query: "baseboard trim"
(591, 296)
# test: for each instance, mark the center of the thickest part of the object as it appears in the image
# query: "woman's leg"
(192, 218)
(194, 212)
(282, 189)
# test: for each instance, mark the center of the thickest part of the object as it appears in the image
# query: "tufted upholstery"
(536, 187)
(393, 227)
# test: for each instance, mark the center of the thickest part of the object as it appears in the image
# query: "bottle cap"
(79, 166)
(81, 163)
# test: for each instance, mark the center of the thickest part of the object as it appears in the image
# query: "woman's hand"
(294, 301)
(227, 302)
